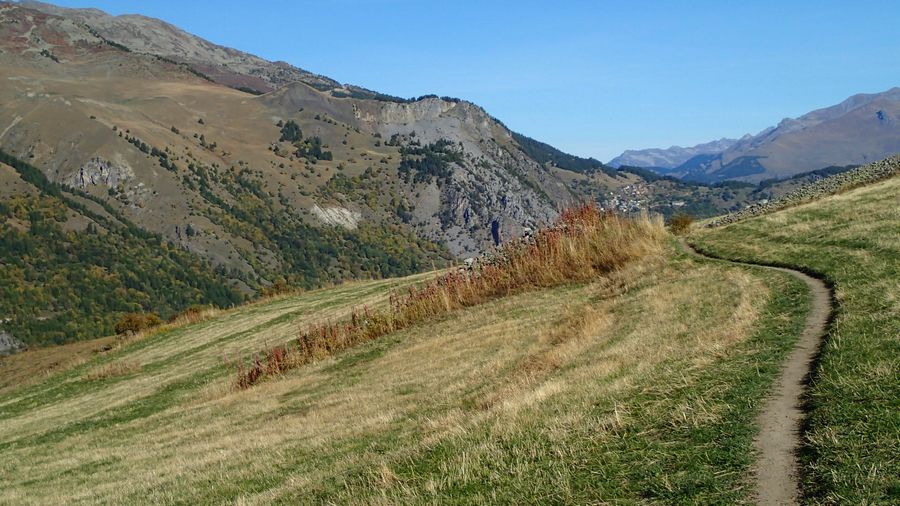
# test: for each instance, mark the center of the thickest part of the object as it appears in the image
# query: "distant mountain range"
(663, 160)
(861, 129)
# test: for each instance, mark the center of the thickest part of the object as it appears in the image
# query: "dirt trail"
(779, 435)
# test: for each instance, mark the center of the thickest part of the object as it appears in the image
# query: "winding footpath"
(776, 469)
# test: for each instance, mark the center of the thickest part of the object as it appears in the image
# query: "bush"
(136, 322)
(290, 132)
(680, 223)
(280, 286)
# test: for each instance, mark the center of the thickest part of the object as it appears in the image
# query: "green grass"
(851, 449)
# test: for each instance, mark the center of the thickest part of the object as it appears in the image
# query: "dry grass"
(583, 244)
(112, 370)
(33, 365)
(170, 356)
(37, 364)
(680, 224)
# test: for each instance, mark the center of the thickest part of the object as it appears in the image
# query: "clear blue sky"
(590, 77)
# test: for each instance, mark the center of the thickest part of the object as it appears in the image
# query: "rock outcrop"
(9, 344)
(337, 216)
(98, 171)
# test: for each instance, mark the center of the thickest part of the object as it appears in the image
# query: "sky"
(590, 77)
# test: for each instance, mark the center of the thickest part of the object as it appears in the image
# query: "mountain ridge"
(145, 34)
(671, 157)
(858, 130)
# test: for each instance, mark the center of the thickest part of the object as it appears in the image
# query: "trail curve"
(776, 467)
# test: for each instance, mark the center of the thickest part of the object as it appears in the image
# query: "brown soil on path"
(776, 469)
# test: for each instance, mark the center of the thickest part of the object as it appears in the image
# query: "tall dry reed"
(583, 244)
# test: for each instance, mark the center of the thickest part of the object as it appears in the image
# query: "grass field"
(852, 438)
(641, 386)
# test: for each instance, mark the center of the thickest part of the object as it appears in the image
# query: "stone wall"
(831, 185)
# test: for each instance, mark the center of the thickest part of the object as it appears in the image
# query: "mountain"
(101, 77)
(859, 130)
(862, 129)
(214, 176)
(253, 175)
(663, 159)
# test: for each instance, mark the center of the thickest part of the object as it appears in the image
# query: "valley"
(662, 410)
(388, 420)
(227, 279)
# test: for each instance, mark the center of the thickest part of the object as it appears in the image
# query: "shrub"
(290, 132)
(136, 322)
(279, 287)
(680, 223)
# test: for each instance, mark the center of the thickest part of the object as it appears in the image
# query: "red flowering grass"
(583, 244)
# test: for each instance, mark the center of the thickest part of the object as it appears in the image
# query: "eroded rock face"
(98, 171)
(493, 195)
(337, 216)
(481, 207)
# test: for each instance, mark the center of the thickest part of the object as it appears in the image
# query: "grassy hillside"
(639, 385)
(851, 239)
